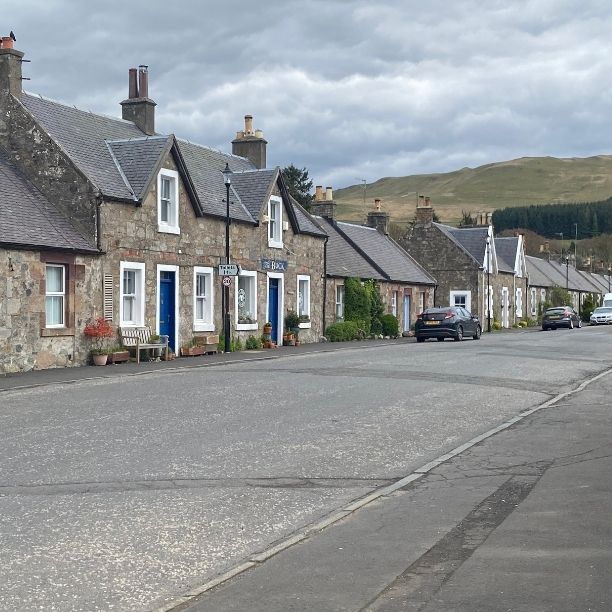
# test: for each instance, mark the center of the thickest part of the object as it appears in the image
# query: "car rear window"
(602, 310)
(554, 310)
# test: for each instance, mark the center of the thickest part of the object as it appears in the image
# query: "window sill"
(53, 332)
(200, 327)
(168, 229)
(305, 325)
(246, 326)
(273, 244)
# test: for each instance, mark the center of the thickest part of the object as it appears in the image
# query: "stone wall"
(130, 233)
(25, 343)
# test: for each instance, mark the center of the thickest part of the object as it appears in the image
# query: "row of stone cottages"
(105, 216)
(491, 276)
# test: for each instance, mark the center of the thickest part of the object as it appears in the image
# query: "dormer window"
(167, 202)
(275, 222)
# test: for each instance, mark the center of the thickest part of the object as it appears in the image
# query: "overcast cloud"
(349, 89)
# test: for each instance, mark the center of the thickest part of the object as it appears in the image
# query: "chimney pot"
(7, 42)
(319, 193)
(329, 195)
(259, 134)
(248, 125)
(427, 201)
(377, 203)
(143, 81)
(133, 83)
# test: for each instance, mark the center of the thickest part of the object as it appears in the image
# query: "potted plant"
(99, 330)
(267, 329)
(193, 349)
(118, 354)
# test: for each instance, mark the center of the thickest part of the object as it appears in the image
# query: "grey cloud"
(347, 88)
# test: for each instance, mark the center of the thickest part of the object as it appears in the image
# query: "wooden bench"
(139, 338)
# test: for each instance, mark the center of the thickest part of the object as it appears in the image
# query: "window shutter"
(108, 297)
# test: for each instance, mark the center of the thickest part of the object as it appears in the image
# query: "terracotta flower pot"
(100, 360)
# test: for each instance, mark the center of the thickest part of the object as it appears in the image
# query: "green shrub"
(522, 323)
(390, 325)
(496, 325)
(376, 328)
(235, 345)
(342, 331)
(252, 343)
(292, 320)
(357, 303)
(588, 306)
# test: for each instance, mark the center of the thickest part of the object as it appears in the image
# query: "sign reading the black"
(274, 265)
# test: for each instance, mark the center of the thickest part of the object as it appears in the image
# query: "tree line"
(588, 219)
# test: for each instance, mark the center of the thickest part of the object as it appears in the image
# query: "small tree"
(588, 306)
(357, 303)
(99, 330)
(559, 296)
(299, 184)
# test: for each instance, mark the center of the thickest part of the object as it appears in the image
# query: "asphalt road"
(133, 493)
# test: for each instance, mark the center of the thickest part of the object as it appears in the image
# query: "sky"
(351, 90)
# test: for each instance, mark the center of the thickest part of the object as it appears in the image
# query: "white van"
(607, 301)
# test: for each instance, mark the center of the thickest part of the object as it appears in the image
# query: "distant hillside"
(520, 182)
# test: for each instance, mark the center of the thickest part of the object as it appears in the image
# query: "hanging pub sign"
(274, 265)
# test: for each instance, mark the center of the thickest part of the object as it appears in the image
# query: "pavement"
(517, 521)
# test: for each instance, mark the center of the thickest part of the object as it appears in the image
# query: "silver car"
(601, 316)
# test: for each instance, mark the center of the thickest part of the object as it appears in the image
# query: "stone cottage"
(142, 218)
(368, 252)
(468, 268)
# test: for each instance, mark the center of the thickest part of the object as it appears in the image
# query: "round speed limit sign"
(227, 281)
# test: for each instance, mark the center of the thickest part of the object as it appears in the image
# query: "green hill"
(520, 182)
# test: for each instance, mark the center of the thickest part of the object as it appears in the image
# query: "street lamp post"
(488, 284)
(609, 272)
(567, 272)
(227, 179)
(560, 234)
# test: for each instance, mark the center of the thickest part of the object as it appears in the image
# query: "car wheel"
(459, 336)
(440, 339)
(478, 333)
(579, 323)
(420, 339)
(571, 324)
(544, 328)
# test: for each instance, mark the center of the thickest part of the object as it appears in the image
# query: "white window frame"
(207, 322)
(534, 299)
(55, 294)
(303, 278)
(394, 303)
(253, 305)
(139, 302)
(339, 302)
(518, 302)
(172, 225)
(468, 299)
(275, 223)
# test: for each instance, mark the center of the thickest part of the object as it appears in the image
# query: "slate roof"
(137, 158)
(506, 249)
(82, 136)
(28, 219)
(342, 258)
(473, 240)
(121, 161)
(544, 273)
(367, 253)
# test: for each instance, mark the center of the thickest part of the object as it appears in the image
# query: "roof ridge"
(80, 110)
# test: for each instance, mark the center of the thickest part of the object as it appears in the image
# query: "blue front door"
(167, 306)
(273, 308)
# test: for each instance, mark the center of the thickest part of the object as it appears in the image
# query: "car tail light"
(449, 315)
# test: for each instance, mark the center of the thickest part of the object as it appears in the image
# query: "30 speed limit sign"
(227, 281)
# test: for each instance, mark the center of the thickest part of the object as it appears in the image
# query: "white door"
(505, 310)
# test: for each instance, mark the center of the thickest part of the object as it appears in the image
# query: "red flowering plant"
(98, 331)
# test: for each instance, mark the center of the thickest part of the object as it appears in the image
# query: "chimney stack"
(10, 68)
(251, 144)
(378, 219)
(424, 212)
(138, 107)
(323, 204)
